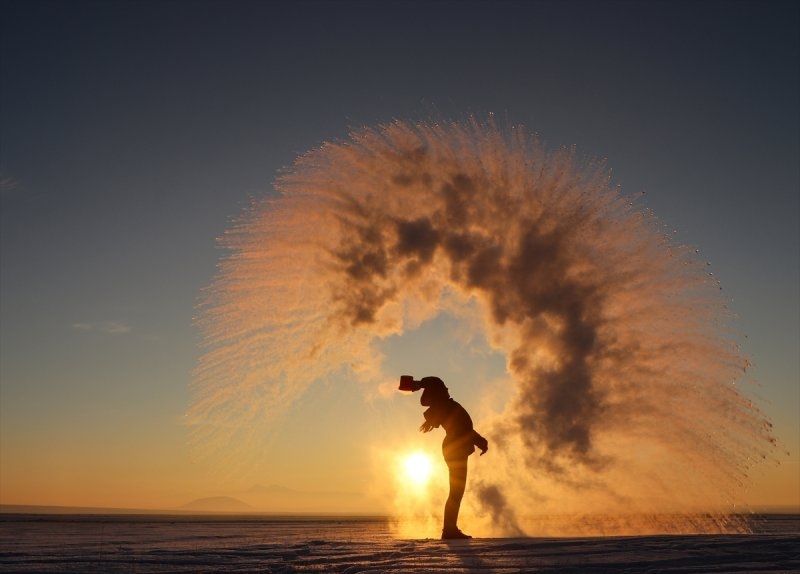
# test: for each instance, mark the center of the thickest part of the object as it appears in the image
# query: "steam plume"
(614, 333)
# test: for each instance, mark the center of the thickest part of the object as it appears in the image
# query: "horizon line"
(52, 509)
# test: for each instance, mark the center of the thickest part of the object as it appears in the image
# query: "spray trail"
(614, 334)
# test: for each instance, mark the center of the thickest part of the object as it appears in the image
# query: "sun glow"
(417, 467)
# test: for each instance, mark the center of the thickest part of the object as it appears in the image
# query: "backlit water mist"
(626, 372)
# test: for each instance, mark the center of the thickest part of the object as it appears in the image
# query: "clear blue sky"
(132, 132)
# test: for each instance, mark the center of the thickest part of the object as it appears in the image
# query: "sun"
(417, 467)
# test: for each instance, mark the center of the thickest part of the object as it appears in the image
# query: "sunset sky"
(133, 133)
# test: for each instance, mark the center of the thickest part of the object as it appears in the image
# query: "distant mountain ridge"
(256, 499)
(217, 504)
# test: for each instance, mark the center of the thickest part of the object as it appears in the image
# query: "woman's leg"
(458, 482)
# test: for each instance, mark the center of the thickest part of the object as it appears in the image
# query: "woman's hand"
(481, 443)
(426, 427)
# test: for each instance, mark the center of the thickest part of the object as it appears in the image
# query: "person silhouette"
(459, 442)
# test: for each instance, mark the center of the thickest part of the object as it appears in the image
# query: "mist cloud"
(612, 331)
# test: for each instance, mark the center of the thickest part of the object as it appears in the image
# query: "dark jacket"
(460, 438)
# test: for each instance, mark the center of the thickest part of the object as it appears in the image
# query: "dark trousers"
(458, 482)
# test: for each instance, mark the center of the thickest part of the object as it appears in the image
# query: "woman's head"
(434, 392)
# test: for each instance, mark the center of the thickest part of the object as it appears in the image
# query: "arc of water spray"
(616, 336)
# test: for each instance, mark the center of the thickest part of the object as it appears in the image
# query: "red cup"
(407, 383)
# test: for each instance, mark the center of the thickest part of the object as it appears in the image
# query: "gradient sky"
(131, 133)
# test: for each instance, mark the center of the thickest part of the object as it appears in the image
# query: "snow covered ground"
(112, 544)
